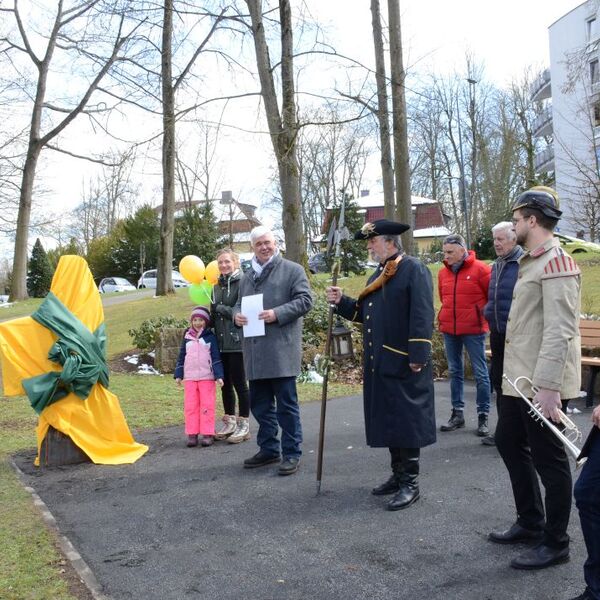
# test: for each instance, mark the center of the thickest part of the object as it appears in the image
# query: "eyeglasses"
(515, 221)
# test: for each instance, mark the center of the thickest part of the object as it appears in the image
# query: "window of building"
(597, 114)
(594, 73)
(591, 28)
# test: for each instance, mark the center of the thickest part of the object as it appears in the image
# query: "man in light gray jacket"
(272, 362)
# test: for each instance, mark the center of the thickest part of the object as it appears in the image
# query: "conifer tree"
(39, 274)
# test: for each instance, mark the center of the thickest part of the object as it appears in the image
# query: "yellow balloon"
(192, 268)
(211, 273)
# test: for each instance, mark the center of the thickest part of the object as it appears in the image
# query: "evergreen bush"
(39, 274)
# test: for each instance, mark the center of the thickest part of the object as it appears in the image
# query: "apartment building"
(568, 128)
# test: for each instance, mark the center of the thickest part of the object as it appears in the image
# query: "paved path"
(192, 523)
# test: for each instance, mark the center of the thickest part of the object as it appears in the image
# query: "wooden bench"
(590, 343)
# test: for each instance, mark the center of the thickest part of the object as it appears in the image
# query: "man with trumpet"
(543, 350)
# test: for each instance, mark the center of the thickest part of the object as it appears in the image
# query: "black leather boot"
(457, 420)
(482, 427)
(408, 491)
(391, 486)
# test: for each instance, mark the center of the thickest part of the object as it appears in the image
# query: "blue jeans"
(475, 345)
(274, 402)
(587, 498)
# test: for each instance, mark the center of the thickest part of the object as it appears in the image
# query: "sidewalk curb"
(81, 568)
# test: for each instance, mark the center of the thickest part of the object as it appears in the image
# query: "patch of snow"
(145, 369)
(132, 360)
(151, 354)
(313, 377)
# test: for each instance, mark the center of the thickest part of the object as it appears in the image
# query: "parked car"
(148, 280)
(574, 245)
(245, 260)
(317, 263)
(115, 284)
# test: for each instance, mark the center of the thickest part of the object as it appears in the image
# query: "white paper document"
(251, 306)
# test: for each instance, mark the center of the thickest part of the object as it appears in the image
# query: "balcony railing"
(544, 160)
(542, 125)
(541, 88)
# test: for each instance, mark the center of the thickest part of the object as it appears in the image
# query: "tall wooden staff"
(335, 270)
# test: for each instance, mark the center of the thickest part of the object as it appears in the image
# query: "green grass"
(120, 318)
(30, 564)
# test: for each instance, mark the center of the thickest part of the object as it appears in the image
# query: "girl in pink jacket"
(199, 366)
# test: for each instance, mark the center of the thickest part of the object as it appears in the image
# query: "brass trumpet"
(568, 436)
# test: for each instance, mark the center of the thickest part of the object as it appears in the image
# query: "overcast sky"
(505, 36)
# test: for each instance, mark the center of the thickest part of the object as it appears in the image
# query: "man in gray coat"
(272, 362)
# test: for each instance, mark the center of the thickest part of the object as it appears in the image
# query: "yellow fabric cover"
(96, 425)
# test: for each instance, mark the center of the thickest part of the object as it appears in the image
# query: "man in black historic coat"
(396, 310)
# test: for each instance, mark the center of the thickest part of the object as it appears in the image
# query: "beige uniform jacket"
(542, 332)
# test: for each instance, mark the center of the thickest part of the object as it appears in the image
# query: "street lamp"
(463, 183)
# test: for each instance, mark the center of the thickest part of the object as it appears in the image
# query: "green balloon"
(201, 293)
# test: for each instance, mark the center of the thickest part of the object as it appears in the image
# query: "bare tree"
(67, 34)
(400, 126)
(283, 124)
(332, 159)
(382, 113)
(170, 85)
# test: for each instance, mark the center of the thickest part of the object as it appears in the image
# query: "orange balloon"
(211, 273)
(192, 268)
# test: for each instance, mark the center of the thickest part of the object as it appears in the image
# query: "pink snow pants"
(199, 401)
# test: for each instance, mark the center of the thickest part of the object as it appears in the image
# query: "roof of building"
(376, 199)
(431, 232)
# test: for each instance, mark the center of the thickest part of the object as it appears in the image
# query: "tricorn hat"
(541, 198)
(380, 227)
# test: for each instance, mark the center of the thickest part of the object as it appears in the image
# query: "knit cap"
(200, 311)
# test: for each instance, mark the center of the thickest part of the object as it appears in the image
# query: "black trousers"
(497, 363)
(527, 448)
(235, 378)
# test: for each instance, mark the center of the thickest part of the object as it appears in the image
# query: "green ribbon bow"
(81, 353)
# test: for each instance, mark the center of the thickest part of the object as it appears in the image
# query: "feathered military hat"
(380, 227)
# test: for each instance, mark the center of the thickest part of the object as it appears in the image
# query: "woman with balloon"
(225, 297)
(217, 286)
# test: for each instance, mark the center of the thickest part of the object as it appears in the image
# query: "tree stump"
(58, 449)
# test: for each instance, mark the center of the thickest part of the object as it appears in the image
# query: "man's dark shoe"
(540, 557)
(391, 486)
(407, 495)
(587, 595)
(482, 425)
(457, 420)
(289, 466)
(260, 459)
(516, 535)
(490, 440)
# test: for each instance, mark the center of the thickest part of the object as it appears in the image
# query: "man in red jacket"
(463, 286)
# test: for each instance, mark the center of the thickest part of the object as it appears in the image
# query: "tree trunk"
(18, 288)
(37, 141)
(401, 159)
(387, 168)
(164, 278)
(282, 128)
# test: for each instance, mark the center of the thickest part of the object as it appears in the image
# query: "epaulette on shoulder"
(561, 265)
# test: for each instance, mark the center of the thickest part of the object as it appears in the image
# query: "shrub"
(144, 336)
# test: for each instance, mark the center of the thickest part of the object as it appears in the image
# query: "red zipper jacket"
(463, 296)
